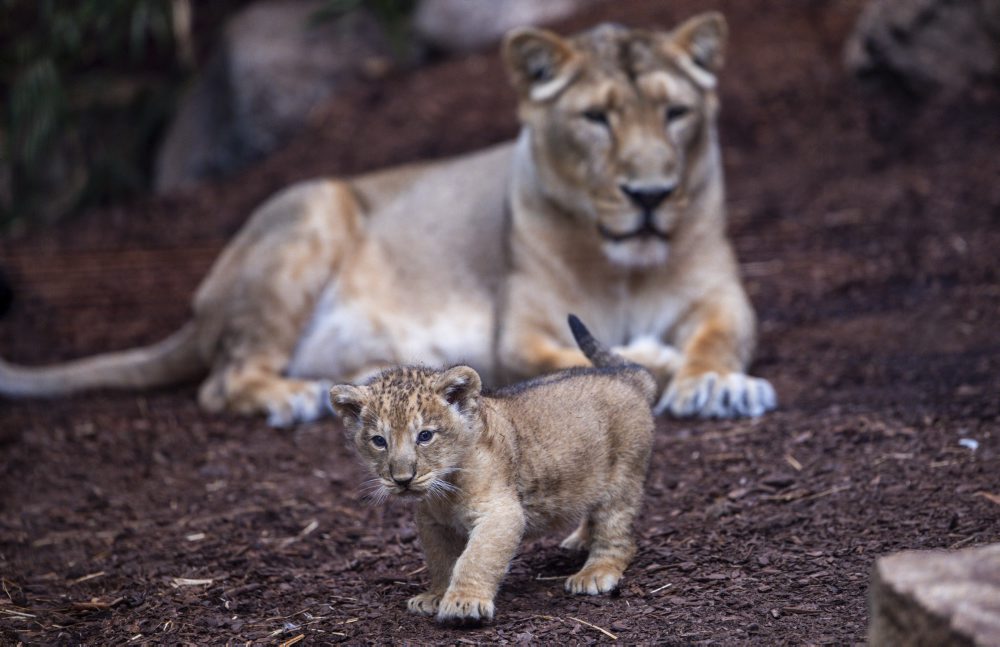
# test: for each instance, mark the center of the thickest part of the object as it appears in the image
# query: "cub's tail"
(174, 359)
(603, 357)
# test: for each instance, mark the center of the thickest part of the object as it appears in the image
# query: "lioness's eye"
(379, 441)
(425, 436)
(596, 116)
(676, 112)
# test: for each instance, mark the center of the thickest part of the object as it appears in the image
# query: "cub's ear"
(540, 64)
(699, 45)
(347, 402)
(460, 387)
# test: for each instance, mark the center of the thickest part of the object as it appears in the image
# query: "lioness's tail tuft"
(601, 356)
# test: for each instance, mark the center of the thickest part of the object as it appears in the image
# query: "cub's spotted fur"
(489, 470)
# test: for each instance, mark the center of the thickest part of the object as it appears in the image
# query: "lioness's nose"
(649, 197)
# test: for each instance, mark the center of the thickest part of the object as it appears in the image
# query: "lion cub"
(490, 470)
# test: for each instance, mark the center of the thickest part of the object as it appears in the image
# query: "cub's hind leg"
(607, 530)
(579, 539)
(260, 294)
(611, 548)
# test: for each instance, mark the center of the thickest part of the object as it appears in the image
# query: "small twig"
(791, 460)
(419, 570)
(603, 631)
(542, 578)
(18, 613)
(583, 622)
(97, 605)
(292, 641)
(310, 527)
(92, 576)
(958, 544)
(660, 588)
(178, 582)
(833, 490)
(989, 496)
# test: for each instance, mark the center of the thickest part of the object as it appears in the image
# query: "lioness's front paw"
(303, 402)
(594, 579)
(711, 395)
(462, 608)
(652, 353)
(425, 604)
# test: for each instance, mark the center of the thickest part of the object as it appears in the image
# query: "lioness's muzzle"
(646, 229)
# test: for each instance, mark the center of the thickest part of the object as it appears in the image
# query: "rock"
(457, 26)
(936, 598)
(275, 64)
(926, 45)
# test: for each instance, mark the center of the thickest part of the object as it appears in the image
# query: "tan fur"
(571, 448)
(478, 259)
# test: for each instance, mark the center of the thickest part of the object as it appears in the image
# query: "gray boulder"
(458, 26)
(926, 45)
(275, 64)
(936, 598)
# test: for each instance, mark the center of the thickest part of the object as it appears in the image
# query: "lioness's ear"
(699, 46)
(460, 387)
(347, 402)
(540, 63)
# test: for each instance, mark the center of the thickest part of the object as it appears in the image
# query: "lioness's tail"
(601, 356)
(169, 361)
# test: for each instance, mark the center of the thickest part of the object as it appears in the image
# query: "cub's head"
(622, 126)
(412, 426)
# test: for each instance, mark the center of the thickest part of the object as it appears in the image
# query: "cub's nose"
(647, 198)
(403, 481)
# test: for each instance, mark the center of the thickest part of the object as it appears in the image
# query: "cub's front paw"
(710, 395)
(594, 579)
(464, 608)
(425, 604)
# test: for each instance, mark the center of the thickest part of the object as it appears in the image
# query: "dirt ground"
(868, 229)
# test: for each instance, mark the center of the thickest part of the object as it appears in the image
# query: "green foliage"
(87, 87)
(72, 73)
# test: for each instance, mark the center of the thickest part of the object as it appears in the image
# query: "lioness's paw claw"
(425, 604)
(710, 395)
(460, 609)
(593, 580)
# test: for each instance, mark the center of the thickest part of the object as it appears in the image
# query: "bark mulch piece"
(869, 233)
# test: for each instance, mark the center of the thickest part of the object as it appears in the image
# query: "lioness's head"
(412, 426)
(621, 125)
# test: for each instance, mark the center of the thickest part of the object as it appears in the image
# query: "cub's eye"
(425, 436)
(677, 112)
(596, 116)
(379, 441)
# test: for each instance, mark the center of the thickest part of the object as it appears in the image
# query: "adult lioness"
(609, 204)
